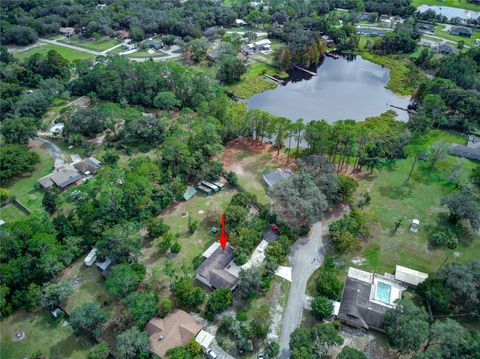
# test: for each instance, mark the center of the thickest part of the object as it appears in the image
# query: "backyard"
(41, 48)
(42, 333)
(177, 218)
(392, 199)
(23, 188)
(469, 41)
(250, 162)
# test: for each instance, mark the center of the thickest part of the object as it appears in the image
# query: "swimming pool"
(382, 292)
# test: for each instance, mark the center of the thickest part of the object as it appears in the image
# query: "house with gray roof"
(369, 31)
(214, 271)
(444, 48)
(153, 44)
(462, 31)
(274, 177)
(88, 166)
(63, 176)
(471, 150)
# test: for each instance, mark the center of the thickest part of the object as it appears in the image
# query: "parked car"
(211, 354)
(261, 356)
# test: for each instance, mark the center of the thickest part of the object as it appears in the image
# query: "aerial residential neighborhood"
(238, 179)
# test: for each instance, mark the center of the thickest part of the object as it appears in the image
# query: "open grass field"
(91, 44)
(420, 198)
(469, 41)
(192, 244)
(69, 54)
(90, 286)
(23, 188)
(250, 163)
(462, 4)
(42, 333)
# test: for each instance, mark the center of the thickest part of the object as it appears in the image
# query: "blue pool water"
(383, 292)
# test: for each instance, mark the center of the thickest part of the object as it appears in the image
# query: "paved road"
(306, 256)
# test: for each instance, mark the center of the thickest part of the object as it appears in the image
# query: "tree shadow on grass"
(67, 346)
(395, 191)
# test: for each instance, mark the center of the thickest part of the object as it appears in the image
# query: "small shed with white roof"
(409, 276)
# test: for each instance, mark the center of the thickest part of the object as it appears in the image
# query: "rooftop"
(214, 268)
(273, 177)
(176, 329)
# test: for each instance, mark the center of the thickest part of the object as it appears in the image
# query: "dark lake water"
(344, 88)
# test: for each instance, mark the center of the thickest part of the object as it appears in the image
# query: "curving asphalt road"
(306, 256)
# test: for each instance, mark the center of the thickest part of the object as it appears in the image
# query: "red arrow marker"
(223, 238)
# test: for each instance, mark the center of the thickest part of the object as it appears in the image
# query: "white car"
(211, 354)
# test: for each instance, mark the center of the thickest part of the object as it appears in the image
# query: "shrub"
(452, 242)
(322, 308)
(438, 238)
(164, 307)
(175, 247)
(328, 285)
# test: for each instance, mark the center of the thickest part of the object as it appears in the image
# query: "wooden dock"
(307, 71)
(403, 109)
(274, 79)
(331, 54)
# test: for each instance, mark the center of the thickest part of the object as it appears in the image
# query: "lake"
(450, 12)
(344, 88)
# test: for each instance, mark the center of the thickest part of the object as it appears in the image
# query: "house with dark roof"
(369, 32)
(471, 150)
(274, 177)
(63, 176)
(88, 166)
(366, 16)
(176, 329)
(215, 271)
(66, 175)
(462, 31)
(426, 26)
(444, 48)
(366, 298)
(153, 44)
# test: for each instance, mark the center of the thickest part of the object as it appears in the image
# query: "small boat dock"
(274, 79)
(332, 55)
(307, 71)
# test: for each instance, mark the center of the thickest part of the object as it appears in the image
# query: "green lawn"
(11, 213)
(192, 244)
(420, 198)
(23, 188)
(91, 287)
(69, 54)
(43, 333)
(144, 53)
(91, 44)
(469, 41)
(462, 4)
